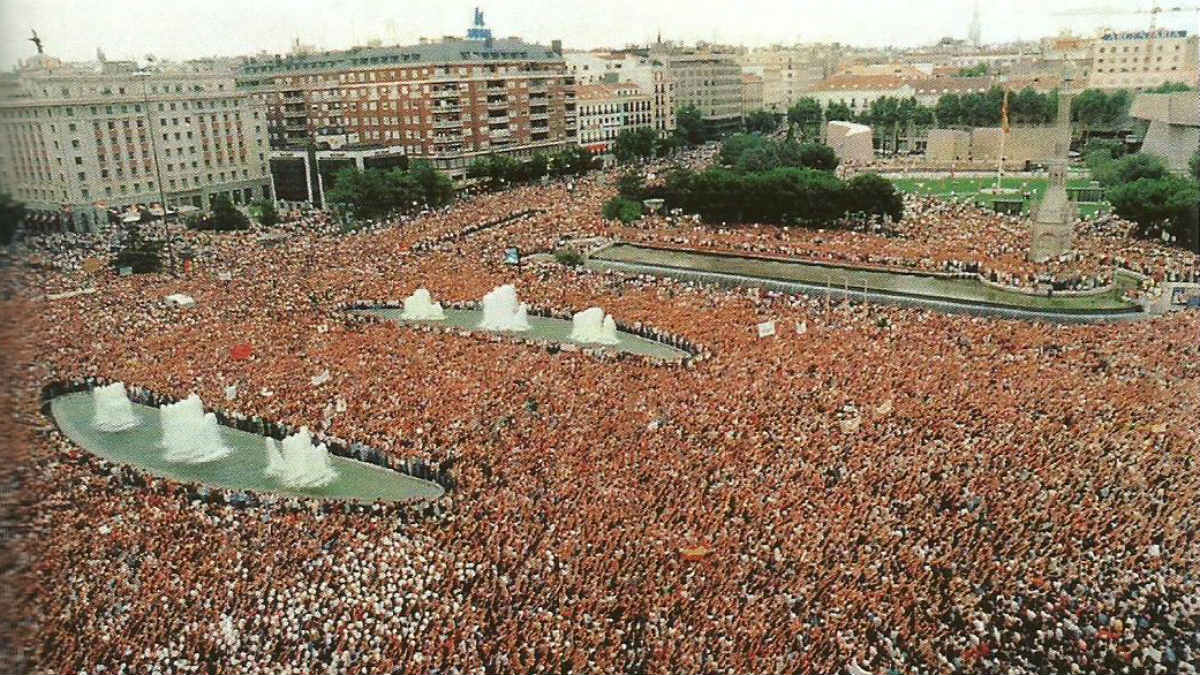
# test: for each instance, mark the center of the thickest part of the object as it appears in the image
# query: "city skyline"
(271, 25)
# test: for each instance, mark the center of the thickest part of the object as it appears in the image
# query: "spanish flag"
(1004, 113)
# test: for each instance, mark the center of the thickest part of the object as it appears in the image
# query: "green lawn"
(970, 187)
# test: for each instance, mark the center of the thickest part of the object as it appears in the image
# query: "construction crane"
(1110, 11)
(1154, 13)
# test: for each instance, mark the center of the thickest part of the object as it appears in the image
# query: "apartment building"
(752, 93)
(788, 74)
(1142, 59)
(78, 142)
(605, 110)
(710, 81)
(650, 76)
(449, 101)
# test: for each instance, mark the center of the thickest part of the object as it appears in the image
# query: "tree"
(569, 257)
(762, 157)
(949, 110)
(435, 187)
(1169, 88)
(817, 156)
(1110, 148)
(12, 212)
(838, 112)
(495, 169)
(142, 256)
(1195, 164)
(806, 114)
(223, 216)
(872, 194)
(265, 212)
(634, 144)
(364, 194)
(977, 70)
(689, 123)
(624, 210)
(1130, 169)
(762, 121)
(665, 146)
(631, 186)
(572, 161)
(1157, 205)
(736, 145)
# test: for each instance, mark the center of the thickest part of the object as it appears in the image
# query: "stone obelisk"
(1052, 220)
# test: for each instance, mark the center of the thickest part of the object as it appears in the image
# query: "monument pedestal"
(1053, 219)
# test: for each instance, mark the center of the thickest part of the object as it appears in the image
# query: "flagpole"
(1003, 138)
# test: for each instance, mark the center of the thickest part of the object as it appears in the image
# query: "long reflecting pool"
(241, 470)
(805, 276)
(540, 328)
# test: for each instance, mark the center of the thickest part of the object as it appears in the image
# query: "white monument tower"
(1053, 219)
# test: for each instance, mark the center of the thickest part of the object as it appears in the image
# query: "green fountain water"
(242, 469)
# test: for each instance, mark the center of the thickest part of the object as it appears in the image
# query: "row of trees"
(376, 193)
(784, 196)
(1141, 189)
(12, 212)
(498, 171)
(752, 152)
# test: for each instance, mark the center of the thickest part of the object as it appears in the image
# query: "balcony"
(446, 92)
(447, 124)
(295, 126)
(293, 99)
(498, 119)
(446, 109)
(492, 91)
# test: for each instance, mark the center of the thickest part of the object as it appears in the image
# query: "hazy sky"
(127, 29)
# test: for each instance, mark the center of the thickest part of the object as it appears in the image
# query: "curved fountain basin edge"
(443, 481)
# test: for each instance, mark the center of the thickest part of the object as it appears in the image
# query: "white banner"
(231, 392)
(766, 329)
(321, 379)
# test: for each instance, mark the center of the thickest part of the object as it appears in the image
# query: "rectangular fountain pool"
(881, 282)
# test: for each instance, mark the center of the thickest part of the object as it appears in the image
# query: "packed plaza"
(394, 265)
(890, 490)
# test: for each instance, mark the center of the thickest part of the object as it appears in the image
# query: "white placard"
(766, 329)
(321, 379)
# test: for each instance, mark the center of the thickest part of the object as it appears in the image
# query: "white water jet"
(190, 435)
(420, 307)
(300, 464)
(501, 311)
(275, 465)
(113, 409)
(593, 326)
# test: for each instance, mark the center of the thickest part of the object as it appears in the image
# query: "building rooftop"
(447, 51)
(597, 92)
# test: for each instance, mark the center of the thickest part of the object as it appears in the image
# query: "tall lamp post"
(162, 195)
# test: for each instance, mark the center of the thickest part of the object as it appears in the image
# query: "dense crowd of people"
(878, 490)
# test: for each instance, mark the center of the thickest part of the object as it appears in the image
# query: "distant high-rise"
(975, 32)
